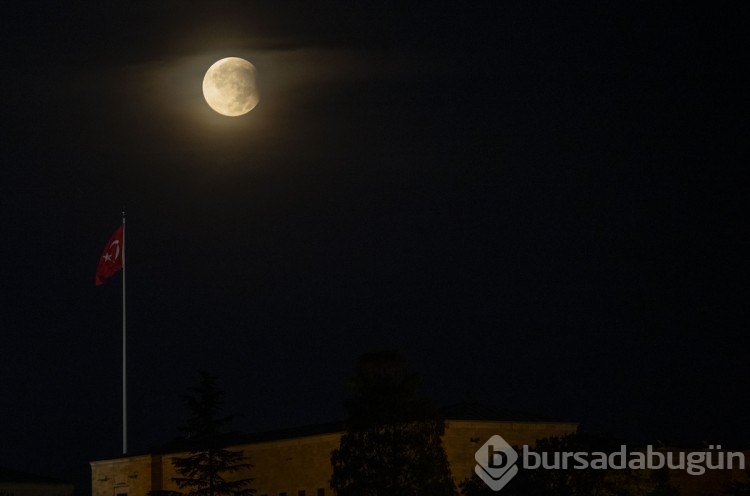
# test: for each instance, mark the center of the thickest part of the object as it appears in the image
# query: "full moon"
(229, 86)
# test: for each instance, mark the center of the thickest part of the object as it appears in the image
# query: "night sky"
(538, 203)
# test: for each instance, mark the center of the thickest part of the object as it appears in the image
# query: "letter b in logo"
(496, 462)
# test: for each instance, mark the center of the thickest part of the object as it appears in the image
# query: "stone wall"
(301, 466)
(464, 437)
(282, 466)
(132, 476)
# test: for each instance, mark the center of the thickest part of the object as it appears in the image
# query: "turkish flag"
(111, 259)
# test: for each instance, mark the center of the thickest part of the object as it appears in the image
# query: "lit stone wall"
(464, 437)
(132, 476)
(291, 466)
(281, 466)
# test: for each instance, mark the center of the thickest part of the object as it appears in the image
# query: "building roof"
(234, 439)
(17, 477)
(466, 410)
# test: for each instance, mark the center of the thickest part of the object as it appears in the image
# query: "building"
(15, 483)
(296, 462)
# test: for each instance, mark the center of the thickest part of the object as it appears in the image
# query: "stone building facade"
(297, 462)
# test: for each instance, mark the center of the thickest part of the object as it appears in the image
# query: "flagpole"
(124, 350)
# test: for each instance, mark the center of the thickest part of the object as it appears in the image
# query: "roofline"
(124, 458)
(558, 422)
(324, 429)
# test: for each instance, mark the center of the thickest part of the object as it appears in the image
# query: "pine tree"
(393, 440)
(202, 471)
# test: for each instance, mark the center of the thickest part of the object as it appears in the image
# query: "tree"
(202, 471)
(660, 484)
(572, 481)
(739, 488)
(393, 440)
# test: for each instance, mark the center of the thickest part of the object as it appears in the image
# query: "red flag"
(111, 259)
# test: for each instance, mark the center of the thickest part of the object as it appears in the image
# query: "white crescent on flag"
(116, 244)
(111, 259)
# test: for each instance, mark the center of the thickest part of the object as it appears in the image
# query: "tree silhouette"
(575, 481)
(202, 471)
(393, 440)
(739, 488)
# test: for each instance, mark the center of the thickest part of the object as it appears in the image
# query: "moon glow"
(230, 88)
